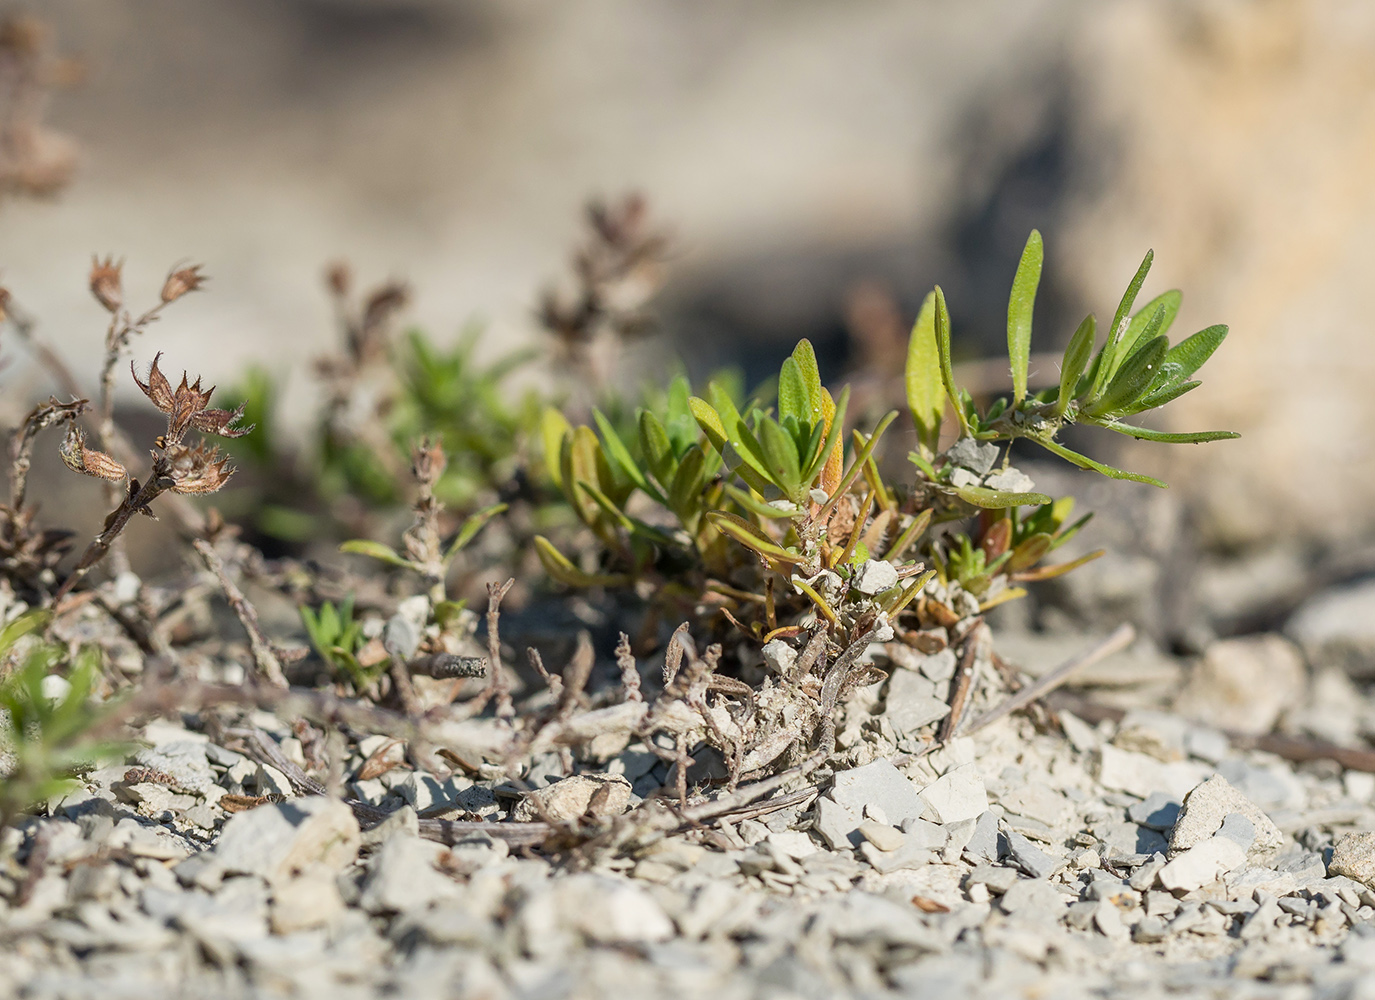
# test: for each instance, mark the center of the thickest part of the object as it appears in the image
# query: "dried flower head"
(181, 281)
(107, 285)
(187, 407)
(428, 461)
(197, 469)
(85, 460)
(339, 277)
(4, 302)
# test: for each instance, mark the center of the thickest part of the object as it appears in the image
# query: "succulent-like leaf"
(554, 427)
(982, 496)
(1159, 397)
(619, 453)
(376, 550)
(925, 388)
(1166, 437)
(1108, 359)
(1029, 551)
(1188, 356)
(1051, 572)
(471, 526)
(1076, 357)
(684, 491)
(942, 325)
(1084, 462)
(1168, 302)
(793, 400)
(781, 452)
(832, 454)
(656, 447)
(1020, 305)
(1131, 379)
(557, 565)
(758, 506)
(751, 537)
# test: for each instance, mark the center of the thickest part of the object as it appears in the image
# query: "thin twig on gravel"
(264, 655)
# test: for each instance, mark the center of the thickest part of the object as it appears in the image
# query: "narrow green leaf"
(947, 367)
(1189, 355)
(471, 527)
(925, 390)
(982, 496)
(1076, 357)
(1051, 572)
(1132, 378)
(781, 452)
(857, 463)
(1085, 462)
(376, 550)
(750, 536)
(557, 565)
(792, 393)
(1119, 323)
(832, 436)
(1187, 437)
(1029, 551)
(685, 489)
(756, 505)
(1020, 305)
(805, 358)
(1136, 330)
(680, 426)
(620, 454)
(656, 447)
(554, 427)
(1158, 398)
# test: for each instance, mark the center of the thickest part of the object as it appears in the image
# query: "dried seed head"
(79, 458)
(181, 281)
(383, 302)
(186, 407)
(428, 462)
(4, 301)
(106, 283)
(198, 469)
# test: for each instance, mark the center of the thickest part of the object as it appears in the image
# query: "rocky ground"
(1125, 850)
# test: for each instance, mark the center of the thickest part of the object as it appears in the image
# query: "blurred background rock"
(821, 165)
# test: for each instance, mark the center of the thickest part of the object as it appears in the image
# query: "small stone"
(795, 843)
(611, 911)
(599, 795)
(911, 702)
(957, 795)
(983, 842)
(403, 876)
(271, 781)
(1203, 812)
(309, 900)
(874, 576)
(1108, 919)
(1149, 930)
(780, 657)
(400, 637)
(1244, 685)
(1031, 859)
(997, 878)
(1140, 774)
(1159, 811)
(882, 836)
(273, 841)
(957, 837)
(1207, 744)
(1353, 855)
(1144, 877)
(1202, 864)
(882, 784)
(184, 760)
(403, 820)
(836, 824)
(1238, 828)
(1036, 899)
(978, 457)
(1035, 800)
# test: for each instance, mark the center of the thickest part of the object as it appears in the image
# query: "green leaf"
(1132, 378)
(1085, 462)
(558, 566)
(1188, 437)
(446, 613)
(471, 527)
(681, 428)
(1188, 356)
(1136, 332)
(792, 393)
(657, 448)
(925, 390)
(757, 505)
(554, 427)
(750, 536)
(684, 492)
(1020, 305)
(376, 550)
(982, 496)
(29, 621)
(1076, 357)
(1158, 398)
(781, 453)
(1051, 572)
(1119, 324)
(721, 422)
(620, 454)
(805, 358)
(1029, 551)
(947, 367)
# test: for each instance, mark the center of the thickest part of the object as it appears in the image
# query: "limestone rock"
(274, 841)
(1244, 685)
(1208, 805)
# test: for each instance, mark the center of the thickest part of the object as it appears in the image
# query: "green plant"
(46, 718)
(761, 506)
(337, 638)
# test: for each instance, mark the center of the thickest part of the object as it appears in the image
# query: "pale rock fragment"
(600, 796)
(1244, 685)
(957, 795)
(1206, 807)
(1202, 864)
(274, 841)
(1353, 855)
